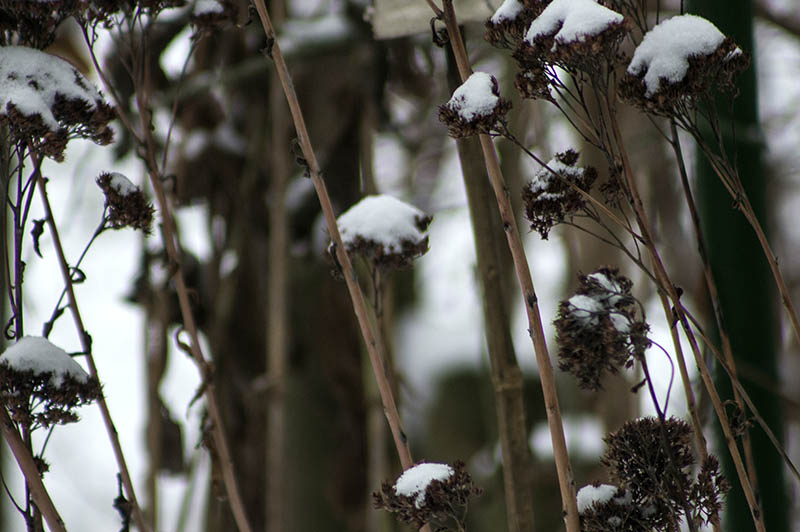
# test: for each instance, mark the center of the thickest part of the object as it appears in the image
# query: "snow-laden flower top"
(507, 26)
(508, 10)
(126, 203)
(663, 55)
(685, 55)
(475, 106)
(210, 14)
(39, 355)
(599, 328)
(385, 230)
(41, 384)
(46, 100)
(415, 480)
(569, 21)
(549, 197)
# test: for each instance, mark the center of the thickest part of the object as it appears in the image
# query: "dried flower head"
(127, 204)
(104, 11)
(428, 493)
(209, 15)
(46, 101)
(653, 461)
(387, 232)
(606, 508)
(680, 61)
(576, 35)
(549, 198)
(599, 329)
(34, 24)
(475, 107)
(41, 385)
(507, 26)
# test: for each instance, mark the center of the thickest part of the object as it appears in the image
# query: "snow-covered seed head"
(549, 198)
(475, 107)
(209, 15)
(680, 60)
(428, 492)
(46, 101)
(34, 24)
(41, 385)
(507, 26)
(598, 328)
(127, 204)
(387, 232)
(572, 34)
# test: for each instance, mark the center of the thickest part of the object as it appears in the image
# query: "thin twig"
(563, 467)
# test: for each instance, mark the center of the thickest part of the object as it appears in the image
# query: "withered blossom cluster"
(552, 196)
(600, 329)
(652, 464)
(443, 500)
(126, 208)
(459, 125)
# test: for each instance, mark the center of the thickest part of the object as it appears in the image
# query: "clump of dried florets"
(126, 203)
(45, 101)
(33, 24)
(669, 72)
(599, 329)
(550, 197)
(475, 107)
(388, 233)
(208, 15)
(41, 385)
(653, 461)
(428, 493)
(576, 35)
(507, 26)
(104, 11)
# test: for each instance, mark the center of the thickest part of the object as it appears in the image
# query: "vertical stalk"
(563, 467)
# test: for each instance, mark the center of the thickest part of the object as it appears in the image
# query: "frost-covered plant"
(600, 328)
(429, 493)
(475, 107)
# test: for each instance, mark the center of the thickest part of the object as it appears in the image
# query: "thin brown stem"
(563, 467)
(86, 345)
(366, 321)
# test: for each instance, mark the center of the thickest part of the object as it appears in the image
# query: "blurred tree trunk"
(747, 292)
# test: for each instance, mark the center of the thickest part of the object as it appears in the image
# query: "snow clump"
(415, 480)
(475, 106)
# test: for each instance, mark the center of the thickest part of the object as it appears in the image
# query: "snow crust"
(507, 11)
(30, 80)
(586, 307)
(207, 7)
(545, 177)
(474, 98)
(665, 50)
(589, 495)
(37, 354)
(415, 480)
(121, 184)
(571, 21)
(382, 219)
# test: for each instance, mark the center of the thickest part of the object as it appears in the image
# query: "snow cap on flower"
(41, 384)
(208, 15)
(475, 106)
(679, 59)
(427, 492)
(45, 100)
(384, 230)
(508, 24)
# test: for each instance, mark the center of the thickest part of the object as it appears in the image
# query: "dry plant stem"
(170, 238)
(369, 330)
(667, 287)
(713, 294)
(83, 335)
(563, 467)
(32, 476)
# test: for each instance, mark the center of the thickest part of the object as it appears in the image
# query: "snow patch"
(589, 495)
(665, 50)
(475, 97)
(415, 480)
(207, 7)
(37, 354)
(507, 11)
(122, 185)
(571, 21)
(382, 219)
